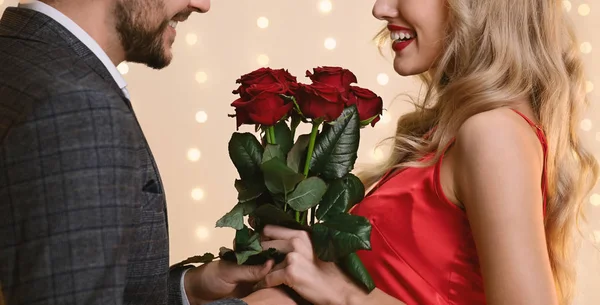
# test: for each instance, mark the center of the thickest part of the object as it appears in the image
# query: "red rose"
(266, 76)
(333, 76)
(265, 108)
(369, 105)
(320, 101)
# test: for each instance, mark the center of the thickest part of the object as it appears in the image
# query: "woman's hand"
(319, 282)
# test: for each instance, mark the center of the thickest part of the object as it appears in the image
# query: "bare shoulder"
(494, 147)
(497, 175)
(499, 134)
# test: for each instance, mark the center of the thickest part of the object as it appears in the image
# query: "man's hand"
(269, 296)
(220, 279)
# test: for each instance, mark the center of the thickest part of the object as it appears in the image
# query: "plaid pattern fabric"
(82, 208)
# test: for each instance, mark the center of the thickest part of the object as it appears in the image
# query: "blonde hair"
(495, 54)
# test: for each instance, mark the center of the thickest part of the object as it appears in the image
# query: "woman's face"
(417, 32)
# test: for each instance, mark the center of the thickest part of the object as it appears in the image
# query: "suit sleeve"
(68, 198)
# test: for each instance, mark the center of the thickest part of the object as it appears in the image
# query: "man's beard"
(142, 42)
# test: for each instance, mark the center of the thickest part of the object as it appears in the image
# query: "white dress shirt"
(84, 37)
(89, 42)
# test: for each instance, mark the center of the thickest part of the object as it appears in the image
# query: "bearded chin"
(140, 43)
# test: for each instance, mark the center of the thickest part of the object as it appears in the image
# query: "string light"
(589, 86)
(377, 154)
(586, 48)
(383, 79)
(330, 43)
(197, 194)
(191, 39)
(595, 200)
(567, 5)
(202, 233)
(201, 117)
(123, 68)
(325, 6)
(194, 154)
(1, 2)
(584, 10)
(586, 125)
(597, 236)
(201, 77)
(262, 60)
(385, 118)
(262, 22)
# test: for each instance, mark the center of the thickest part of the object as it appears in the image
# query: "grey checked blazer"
(82, 209)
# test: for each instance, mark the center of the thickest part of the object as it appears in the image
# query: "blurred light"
(597, 136)
(597, 236)
(1, 2)
(262, 22)
(586, 48)
(194, 154)
(386, 117)
(589, 86)
(197, 194)
(263, 60)
(330, 43)
(383, 79)
(201, 117)
(202, 233)
(595, 200)
(377, 154)
(584, 10)
(325, 6)
(123, 68)
(191, 39)
(586, 125)
(201, 77)
(567, 5)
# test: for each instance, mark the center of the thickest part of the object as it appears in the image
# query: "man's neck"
(96, 18)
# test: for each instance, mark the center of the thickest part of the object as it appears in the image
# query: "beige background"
(184, 108)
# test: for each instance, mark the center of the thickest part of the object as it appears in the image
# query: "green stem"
(311, 148)
(268, 135)
(271, 131)
(297, 217)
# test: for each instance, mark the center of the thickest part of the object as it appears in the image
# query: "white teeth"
(401, 35)
(173, 24)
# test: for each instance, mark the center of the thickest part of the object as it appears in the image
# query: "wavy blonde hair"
(495, 54)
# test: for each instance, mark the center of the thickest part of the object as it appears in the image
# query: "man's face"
(147, 27)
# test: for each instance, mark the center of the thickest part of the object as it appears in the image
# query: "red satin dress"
(423, 252)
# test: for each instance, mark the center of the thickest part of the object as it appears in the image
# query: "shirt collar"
(78, 32)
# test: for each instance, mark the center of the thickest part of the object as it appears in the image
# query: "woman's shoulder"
(499, 132)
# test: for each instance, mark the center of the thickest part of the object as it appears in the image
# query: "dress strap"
(542, 137)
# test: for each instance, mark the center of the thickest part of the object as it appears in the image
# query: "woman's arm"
(497, 173)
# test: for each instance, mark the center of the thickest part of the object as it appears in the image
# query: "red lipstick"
(399, 45)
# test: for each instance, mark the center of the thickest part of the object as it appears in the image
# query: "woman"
(487, 178)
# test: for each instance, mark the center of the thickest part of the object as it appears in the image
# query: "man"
(82, 209)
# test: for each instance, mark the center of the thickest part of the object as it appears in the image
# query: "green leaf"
(368, 121)
(307, 194)
(279, 178)
(355, 268)
(198, 259)
(337, 146)
(235, 218)
(298, 153)
(246, 153)
(249, 190)
(253, 259)
(341, 235)
(283, 137)
(273, 151)
(341, 195)
(270, 215)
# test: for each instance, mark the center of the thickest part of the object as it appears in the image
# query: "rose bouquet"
(302, 182)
